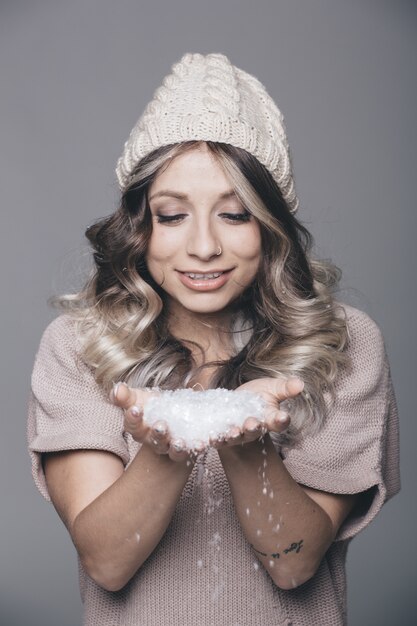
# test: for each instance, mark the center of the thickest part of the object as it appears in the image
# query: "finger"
(160, 432)
(288, 387)
(158, 437)
(178, 450)
(294, 386)
(252, 429)
(122, 395)
(277, 421)
(134, 423)
(157, 446)
(198, 448)
(234, 436)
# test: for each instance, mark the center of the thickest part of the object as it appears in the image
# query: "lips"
(204, 281)
(203, 276)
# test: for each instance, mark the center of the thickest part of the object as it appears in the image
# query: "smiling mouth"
(205, 281)
(202, 276)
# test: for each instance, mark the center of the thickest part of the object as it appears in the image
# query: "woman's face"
(195, 216)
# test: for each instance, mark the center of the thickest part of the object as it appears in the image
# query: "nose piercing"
(219, 252)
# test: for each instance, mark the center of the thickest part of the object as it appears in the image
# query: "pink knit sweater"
(203, 572)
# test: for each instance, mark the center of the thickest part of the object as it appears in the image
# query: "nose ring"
(219, 252)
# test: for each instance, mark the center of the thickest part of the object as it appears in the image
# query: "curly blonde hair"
(286, 323)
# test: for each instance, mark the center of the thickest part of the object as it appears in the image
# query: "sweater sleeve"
(357, 449)
(68, 410)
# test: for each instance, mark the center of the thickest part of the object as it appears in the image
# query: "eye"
(170, 219)
(244, 216)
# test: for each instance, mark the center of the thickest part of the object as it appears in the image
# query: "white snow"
(198, 416)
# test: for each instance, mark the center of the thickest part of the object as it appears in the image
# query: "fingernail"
(135, 411)
(160, 429)
(177, 445)
(115, 390)
(283, 417)
(116, 387)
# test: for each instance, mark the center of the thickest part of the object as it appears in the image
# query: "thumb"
(287, 387)
(122, 395)
(294, 386)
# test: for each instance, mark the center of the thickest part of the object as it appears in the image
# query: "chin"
(205, 307)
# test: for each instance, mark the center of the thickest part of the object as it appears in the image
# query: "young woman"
(204, 279)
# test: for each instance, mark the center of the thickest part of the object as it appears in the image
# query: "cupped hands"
(273, 390)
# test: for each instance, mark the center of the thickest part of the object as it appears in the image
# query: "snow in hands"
(203, 416)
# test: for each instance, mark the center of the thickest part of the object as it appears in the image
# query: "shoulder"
(62, 328)
(60, 337)
(365, 378)
(365, 339)
(358, 320)
(59, 351)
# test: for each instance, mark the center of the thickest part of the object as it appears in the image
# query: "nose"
(202, 241)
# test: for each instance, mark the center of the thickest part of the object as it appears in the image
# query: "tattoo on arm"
(294, 547)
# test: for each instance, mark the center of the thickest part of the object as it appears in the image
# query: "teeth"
(204, 276)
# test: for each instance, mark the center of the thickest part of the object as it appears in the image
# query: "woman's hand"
(156, 436)
(274, 391)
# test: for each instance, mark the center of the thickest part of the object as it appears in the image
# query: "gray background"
(74, 78)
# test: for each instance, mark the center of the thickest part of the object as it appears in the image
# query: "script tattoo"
(294, 547)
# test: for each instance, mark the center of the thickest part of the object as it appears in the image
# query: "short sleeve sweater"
(203, 572)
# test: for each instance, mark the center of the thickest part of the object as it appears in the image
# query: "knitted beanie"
(207, 98)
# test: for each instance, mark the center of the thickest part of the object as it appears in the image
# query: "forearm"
(289, 532)
(116, 533)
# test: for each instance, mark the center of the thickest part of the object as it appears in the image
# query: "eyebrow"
(183, 196)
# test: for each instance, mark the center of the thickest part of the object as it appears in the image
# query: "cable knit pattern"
(202, 572)
(207, 98)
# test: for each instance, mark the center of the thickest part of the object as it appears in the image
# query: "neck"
(210, 331)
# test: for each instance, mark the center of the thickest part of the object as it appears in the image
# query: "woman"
(204, 279)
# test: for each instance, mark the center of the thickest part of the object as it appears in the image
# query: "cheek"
(161, 247)
(156, 257)
(248, 244)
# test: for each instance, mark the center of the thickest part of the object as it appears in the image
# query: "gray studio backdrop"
(74, 78)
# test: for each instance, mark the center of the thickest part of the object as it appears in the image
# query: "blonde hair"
(287, 322)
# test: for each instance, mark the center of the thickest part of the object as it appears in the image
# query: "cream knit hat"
(207, 98)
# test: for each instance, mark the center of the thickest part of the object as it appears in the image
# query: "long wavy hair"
(286, 323)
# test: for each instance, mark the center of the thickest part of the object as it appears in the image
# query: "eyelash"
(233, 217)
(161, 219)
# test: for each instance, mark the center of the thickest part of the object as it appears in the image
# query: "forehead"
(195, 171)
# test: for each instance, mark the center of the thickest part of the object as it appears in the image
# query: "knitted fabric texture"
(207, 98)
(203, 571)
